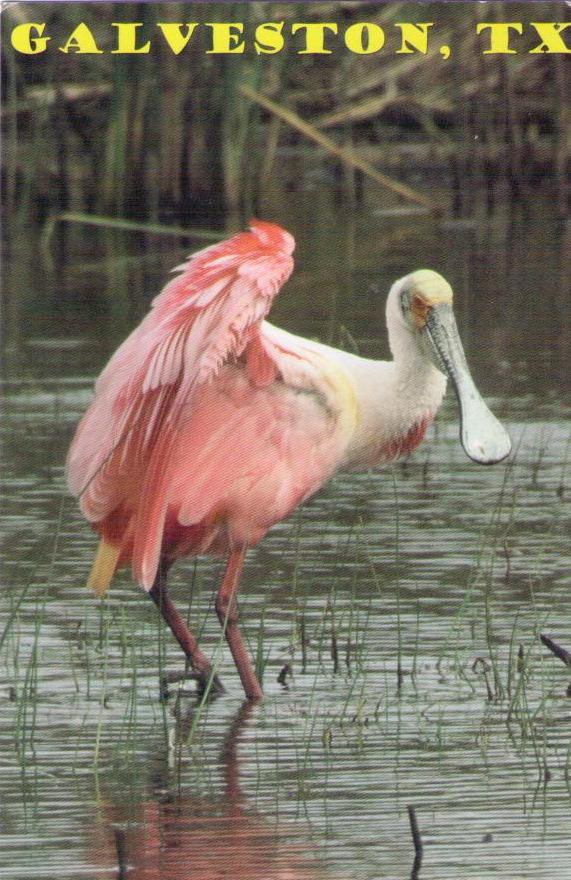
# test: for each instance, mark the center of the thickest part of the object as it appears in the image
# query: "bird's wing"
(210, 313)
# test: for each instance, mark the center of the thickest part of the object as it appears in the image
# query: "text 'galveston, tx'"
(301, 38)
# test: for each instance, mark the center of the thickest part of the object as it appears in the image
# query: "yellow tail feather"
(104, 566)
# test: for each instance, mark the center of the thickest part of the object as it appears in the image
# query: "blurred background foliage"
(169, 138)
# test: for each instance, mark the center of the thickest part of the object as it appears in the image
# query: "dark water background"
(400, 598)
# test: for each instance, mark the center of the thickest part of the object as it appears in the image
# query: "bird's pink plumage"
(183, 442)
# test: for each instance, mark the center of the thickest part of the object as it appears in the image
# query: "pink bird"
(209, 425)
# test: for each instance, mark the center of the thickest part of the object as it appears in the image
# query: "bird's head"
(421, 320)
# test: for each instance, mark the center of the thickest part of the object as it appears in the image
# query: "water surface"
(407, 602)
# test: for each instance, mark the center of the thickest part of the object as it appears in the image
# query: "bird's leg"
(227, 611)
(199, 662)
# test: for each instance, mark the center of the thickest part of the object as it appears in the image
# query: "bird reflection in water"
(172, 836)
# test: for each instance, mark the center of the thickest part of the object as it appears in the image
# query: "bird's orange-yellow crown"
(426, 289)
(431, 287)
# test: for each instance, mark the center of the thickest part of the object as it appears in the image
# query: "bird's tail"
(104, 566)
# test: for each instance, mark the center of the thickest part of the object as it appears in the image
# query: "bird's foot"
(206, 683)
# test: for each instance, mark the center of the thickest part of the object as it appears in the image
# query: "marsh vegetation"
(188, 138)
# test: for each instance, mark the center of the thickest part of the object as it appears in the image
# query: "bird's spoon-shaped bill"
(484, 439)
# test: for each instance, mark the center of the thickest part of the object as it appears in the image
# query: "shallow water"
(400, 598)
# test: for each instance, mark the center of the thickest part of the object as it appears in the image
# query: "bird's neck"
(417, 390)
(399, 399)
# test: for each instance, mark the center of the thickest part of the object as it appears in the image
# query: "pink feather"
(204, 318)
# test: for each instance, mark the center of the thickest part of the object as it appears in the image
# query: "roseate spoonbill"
(209, 425)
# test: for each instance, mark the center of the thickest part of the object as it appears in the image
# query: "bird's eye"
(418, 305)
